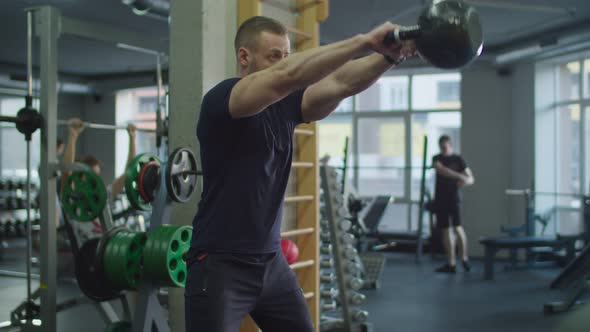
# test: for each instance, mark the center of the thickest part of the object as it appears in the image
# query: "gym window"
(386, 125)
(13, 161)
(562, 130)
(137, 106)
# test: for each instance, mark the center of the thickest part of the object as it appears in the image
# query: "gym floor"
(411, 298)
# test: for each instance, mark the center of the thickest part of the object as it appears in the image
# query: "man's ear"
(244, 57)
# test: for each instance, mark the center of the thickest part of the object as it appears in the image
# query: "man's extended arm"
(320, 99)
(75, 127)
(119, 183)
(302, 70)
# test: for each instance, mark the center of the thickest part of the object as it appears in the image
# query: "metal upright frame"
(49, 25)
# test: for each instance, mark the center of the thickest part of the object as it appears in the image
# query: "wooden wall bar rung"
(308, 295)
(298, 32)
(304, 132)
(296, 232)
(302, 164)
(292, 199)
(302, 264)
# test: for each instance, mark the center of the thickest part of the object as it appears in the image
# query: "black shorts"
(445, 217)
(221, 289)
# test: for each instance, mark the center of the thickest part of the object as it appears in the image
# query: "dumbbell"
(329, 293)
(21, 203)
(326, 249)
(2, 204)
(355, 283)
(327, 263)
(325, 236)
(357, 298)
(10, 203)
(327, 278)
(20, 184)
(341, 212)
(344, 225)
(360, 316)
(2, 184)
(347, 239)
(349, 252)
(9, 230)
(329, 306)
(10, 184)
(20, 227)
(353, 267)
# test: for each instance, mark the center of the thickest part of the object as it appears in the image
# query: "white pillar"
(201, 55)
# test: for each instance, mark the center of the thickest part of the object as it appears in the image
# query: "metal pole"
(28, 142)
(29, 237)
(47, 21)
(29, 53)
(159, 78)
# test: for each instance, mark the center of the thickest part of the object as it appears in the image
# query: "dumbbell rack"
(339, 256)
(13, 208)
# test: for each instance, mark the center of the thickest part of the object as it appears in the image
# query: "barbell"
(105, 126)
(448, 34)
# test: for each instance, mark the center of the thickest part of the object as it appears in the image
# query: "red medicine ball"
(290, 250)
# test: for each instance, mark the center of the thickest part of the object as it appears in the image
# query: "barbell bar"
(105, 126)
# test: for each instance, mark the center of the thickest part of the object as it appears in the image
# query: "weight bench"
(494, 244)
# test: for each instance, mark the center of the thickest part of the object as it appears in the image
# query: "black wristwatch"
(392, 60)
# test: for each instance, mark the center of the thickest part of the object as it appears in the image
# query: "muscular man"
(452, 174)
(246, 129)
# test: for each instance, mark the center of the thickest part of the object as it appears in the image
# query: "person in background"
(75, 128)
(452, 174)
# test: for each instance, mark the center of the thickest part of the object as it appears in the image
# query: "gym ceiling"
(509, 25)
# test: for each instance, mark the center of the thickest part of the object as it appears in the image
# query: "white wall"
(100, 143)
(486, 145)
(523, 136)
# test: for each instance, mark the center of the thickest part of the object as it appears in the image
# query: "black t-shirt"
(447, 190)
(246, 164)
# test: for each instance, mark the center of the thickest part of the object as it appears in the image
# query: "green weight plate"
(122, 326)
(132, 182)
(122, 259)
(163, 255)
(84, 195)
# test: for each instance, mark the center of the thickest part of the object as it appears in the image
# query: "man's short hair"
(443, 139)
(59, 142)
(249, 31)
(89, 160)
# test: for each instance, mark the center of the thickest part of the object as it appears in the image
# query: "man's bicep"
(253, 93)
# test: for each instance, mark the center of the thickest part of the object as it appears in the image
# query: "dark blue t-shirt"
(447, 192)
(246, 164)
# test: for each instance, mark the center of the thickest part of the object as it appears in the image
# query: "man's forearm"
(450, 173)
(303, 69)
(131, 153)
(70, 150)
(357, 75)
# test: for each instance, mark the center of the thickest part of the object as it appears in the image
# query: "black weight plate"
(91, 279)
